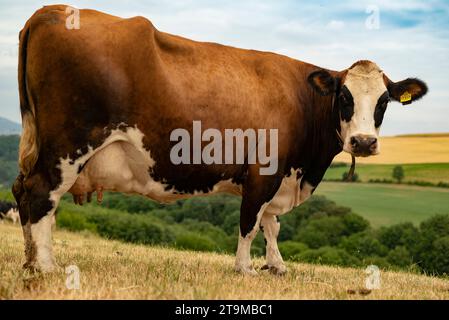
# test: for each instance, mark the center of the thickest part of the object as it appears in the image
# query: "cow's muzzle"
(364, 146)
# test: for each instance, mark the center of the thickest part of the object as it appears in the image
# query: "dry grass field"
(425, 148)
(113, 270)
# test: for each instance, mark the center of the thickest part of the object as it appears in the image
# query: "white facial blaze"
(365, 83)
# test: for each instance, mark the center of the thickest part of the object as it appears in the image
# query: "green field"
(430, 172)
(388, 204)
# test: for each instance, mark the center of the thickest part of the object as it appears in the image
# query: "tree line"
(318, 231)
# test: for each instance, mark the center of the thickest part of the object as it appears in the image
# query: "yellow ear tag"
(405, 98)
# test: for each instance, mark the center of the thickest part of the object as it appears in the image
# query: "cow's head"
(362, 93)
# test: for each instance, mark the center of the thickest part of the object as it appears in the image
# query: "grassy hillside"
(428, 148)
(429, 172)
(113, 270)
(388, 204)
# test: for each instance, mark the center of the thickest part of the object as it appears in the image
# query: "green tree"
(439, 261)
(434, 244)
(400, 257)
(354, 223)
(321, 232)
(362, 245)
(398, 173)
(402, 234)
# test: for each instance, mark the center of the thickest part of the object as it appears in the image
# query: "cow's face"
(362, 94)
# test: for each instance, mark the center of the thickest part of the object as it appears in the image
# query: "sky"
(405, 38)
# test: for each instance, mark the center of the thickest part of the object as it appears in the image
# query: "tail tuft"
(28, 147)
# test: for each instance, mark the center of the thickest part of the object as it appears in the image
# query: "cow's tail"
(29, 144)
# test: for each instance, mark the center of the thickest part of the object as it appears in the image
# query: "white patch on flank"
(69, 172)
(123, 166)
(243, 256)
(289, 194)
(366, 84)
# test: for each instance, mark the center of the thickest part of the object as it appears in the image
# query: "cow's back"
(127, 67)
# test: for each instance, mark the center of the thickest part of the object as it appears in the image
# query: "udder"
(118, 167)
(122, 167)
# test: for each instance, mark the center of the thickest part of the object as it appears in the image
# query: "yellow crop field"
(419, 148)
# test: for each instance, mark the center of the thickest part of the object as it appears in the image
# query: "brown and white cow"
(99, 103)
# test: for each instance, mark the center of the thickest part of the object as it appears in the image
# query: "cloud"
(335, 25)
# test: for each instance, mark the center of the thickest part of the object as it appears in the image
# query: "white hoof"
(47, 267)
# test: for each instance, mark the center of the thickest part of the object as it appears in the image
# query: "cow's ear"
(407, 91)
(323, 82)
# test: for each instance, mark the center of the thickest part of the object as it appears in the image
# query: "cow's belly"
(123, 168)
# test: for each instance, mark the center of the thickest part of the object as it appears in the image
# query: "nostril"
(354, 141)
(373, 141)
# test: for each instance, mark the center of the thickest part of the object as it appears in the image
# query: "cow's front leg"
(248, 231)
(270, 226)
(256, 196)
(36, 209)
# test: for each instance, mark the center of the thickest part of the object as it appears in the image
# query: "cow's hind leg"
(37, 204)
(271, 226)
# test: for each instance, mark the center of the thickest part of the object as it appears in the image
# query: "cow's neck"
(323, 126)
(326, 125)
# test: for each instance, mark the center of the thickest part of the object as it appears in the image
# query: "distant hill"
(9, 127)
